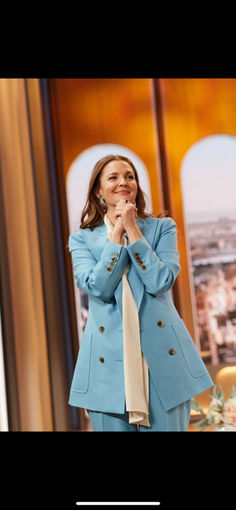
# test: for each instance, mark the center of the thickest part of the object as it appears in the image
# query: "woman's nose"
(122, 180)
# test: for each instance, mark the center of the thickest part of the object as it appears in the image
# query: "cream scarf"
(135, 366)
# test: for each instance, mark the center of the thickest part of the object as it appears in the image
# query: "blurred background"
(181, 135)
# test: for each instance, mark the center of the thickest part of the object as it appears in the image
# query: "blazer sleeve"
(99, 278)
(158, 268)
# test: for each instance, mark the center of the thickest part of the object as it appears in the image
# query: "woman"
(137, 367)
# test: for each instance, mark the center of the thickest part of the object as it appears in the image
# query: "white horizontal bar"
(118, 503)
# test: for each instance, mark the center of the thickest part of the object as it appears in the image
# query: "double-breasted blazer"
(176, 367)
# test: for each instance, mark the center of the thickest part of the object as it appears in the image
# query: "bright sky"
(208, 175)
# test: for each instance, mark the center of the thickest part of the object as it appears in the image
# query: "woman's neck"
(111, 217)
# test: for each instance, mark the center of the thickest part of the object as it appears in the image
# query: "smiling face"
(117, 181)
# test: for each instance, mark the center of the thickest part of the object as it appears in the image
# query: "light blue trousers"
(174, 420)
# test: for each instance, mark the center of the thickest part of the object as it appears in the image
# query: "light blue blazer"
(176, 368)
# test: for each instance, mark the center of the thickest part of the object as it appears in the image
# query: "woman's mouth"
(122, 192)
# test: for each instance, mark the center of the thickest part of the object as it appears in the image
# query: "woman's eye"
(113, 177)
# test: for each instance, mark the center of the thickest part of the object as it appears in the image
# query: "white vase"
(224, 427)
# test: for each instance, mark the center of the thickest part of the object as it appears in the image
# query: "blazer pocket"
(191, 355)
(80, 380)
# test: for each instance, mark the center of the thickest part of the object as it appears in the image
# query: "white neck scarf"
(135, 366)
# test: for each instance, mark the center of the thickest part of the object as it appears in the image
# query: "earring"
(102, 203)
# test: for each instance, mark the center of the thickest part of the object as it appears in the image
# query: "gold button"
(101, 329)
(143, 268)
(116, 254)
(101, 359)
(172, 352)
(136, 255)
(160, 324)
(109, 268)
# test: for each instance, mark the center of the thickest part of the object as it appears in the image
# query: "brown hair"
(93, 207)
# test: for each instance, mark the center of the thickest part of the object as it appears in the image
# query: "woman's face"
(117, 181)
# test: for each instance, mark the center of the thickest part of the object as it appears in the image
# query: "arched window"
(208, 180)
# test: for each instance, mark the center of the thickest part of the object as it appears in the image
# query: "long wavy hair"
(94, 209)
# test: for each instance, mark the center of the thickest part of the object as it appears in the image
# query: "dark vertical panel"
(161, 143)
(78, 416)
(164, 168)
(64, 214)
(71, 334)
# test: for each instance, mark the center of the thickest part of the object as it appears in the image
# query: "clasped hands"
(126, 214)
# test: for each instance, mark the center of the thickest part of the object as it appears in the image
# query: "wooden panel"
(120, 111)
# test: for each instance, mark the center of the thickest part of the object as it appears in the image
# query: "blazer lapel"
(99, 237)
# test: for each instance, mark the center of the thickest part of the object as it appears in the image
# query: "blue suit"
(176, 368)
